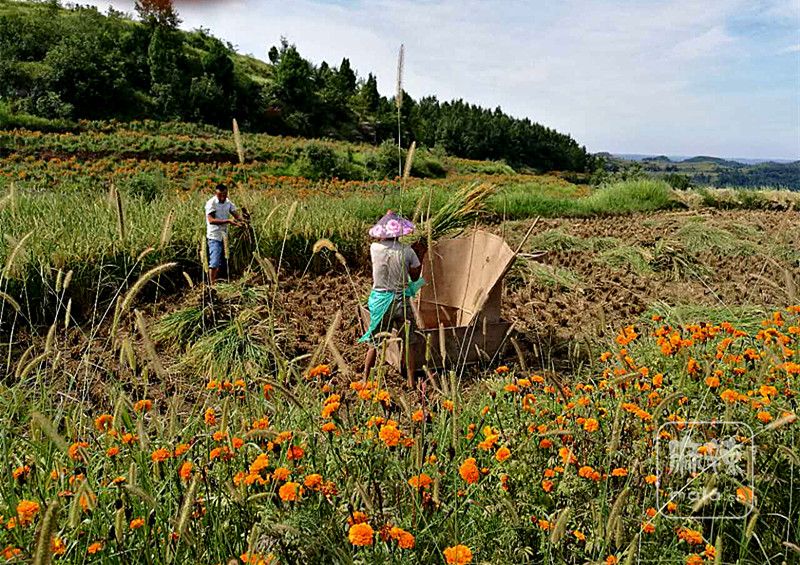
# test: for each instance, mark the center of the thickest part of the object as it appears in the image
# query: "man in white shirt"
(220, 212)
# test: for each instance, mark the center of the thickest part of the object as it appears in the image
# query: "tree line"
(76, 63)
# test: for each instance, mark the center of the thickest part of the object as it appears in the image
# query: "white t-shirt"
(221, 211)
(391, 261)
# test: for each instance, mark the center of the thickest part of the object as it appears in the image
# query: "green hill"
(704, 171)
(62, 65)
(714, 160)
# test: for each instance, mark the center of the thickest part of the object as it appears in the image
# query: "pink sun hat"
(390, 226)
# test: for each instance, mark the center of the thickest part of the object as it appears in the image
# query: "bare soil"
(555, 324)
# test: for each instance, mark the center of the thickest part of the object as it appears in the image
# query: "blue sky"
(677, 77)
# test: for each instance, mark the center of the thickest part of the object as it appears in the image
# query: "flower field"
(646, 412)
(314, 465)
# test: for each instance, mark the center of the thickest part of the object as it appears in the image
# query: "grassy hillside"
(59, 66)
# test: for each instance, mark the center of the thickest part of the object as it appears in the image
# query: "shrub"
(146, 185)
(318, 161)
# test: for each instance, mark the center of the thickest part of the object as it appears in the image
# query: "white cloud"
(617, 75)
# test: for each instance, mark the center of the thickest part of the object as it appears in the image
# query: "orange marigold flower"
(281, 474)
(767, 390)
(268, 391)
(469, 471)
(648, 527)
(313, 481)
(112, 451)
(692, 537)
(710, 551)
(329, 409)
(712, 382)
(502, 454)
(95, 547)
(404, 539)
(319, 371)
(290, 492)
(57, 546)
(764, 416)
(295, 453)
(361, 534)
(418, 416)
(144, 405)
(137, 523)
(260, 463)
(448, 405)
(458, 555)
(501, 370)
(545, 443)
(181, 449)
(547, 485)
(74, 450)
(26, 511)
(591, 425)
(389, 435)
(651, 479)
(261, 424)
(21, 472)
(210, 417)
(611, 560)
(566, 455)
(186, 470)
(744, 495)
(694, 559)
(329, 427)
(11, 552)
(104, 422)
(729, 395)
(579, 535)
(219, 453)
(128, 438)
(160, 455)
(357, 517)
(421, 481)
(619, 472)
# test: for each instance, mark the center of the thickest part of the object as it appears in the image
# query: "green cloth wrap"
(379, 303)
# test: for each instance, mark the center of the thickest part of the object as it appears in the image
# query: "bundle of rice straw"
(461, 210)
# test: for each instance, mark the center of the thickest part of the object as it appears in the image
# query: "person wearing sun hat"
(395, 278)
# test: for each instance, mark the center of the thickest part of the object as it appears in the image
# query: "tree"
(159, 13)
(86, 71)
(164, 58)
(292, 90)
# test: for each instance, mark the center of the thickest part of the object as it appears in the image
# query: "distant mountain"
(715, 160)
(704, 170)
(681, 158)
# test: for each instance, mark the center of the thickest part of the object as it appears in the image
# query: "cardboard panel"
(465, 273)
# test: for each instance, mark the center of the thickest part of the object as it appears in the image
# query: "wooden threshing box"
(458, 310)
